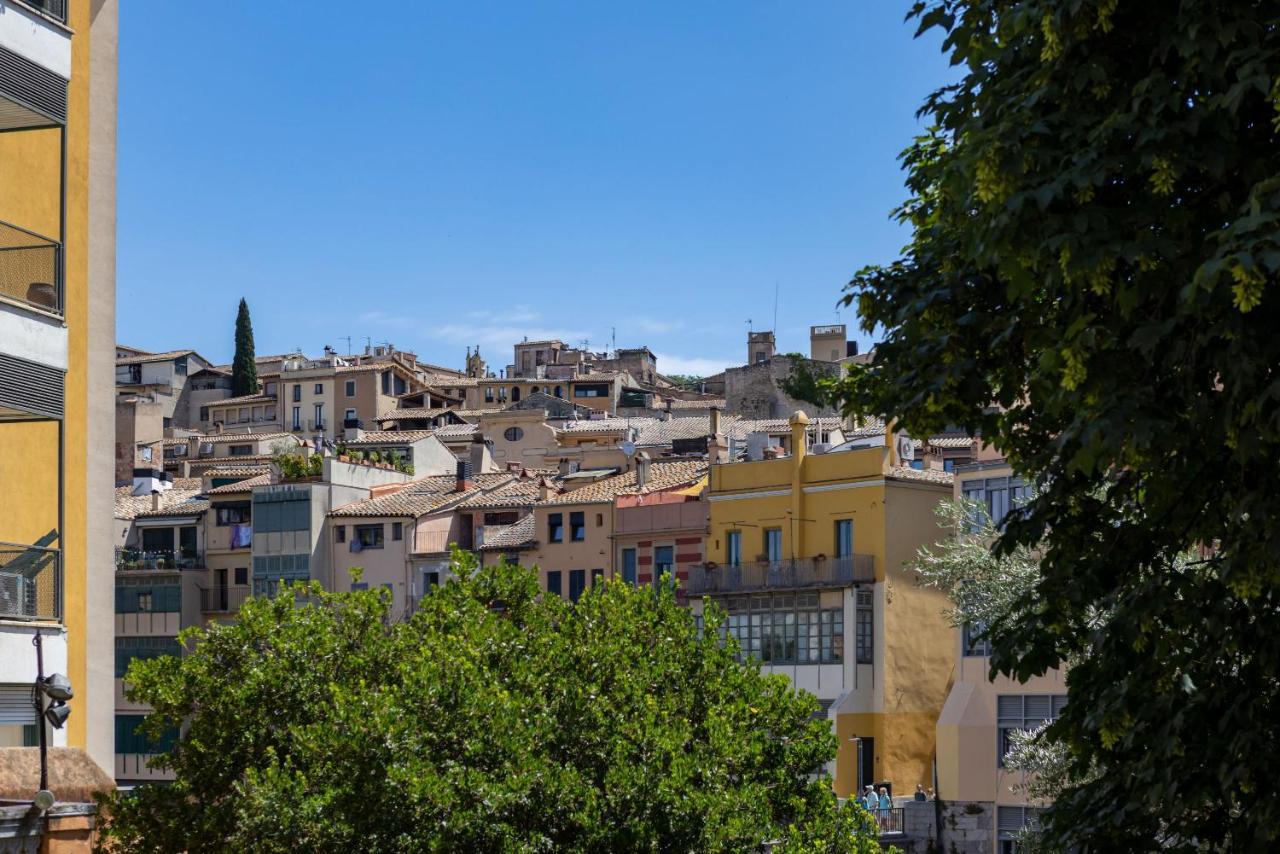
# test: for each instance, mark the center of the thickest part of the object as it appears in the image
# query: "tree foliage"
(244, 367)
(1091, 285)
(495, 718)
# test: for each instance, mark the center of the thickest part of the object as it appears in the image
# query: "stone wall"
(755, 391)
(968, 827)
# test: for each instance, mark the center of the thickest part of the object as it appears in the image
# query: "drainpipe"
(799, 423)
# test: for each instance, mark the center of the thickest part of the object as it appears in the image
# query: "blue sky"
(438, 175)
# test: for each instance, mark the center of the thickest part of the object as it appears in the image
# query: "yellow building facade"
(57, 354)
(806, 554)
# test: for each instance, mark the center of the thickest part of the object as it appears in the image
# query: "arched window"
(515, 393)
(559, 393)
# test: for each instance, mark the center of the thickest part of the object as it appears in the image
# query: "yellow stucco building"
(806, 554)
(57, 353)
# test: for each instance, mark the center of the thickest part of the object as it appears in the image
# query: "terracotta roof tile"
(927, 475)
(235, 471)
(951, 441)
(245, 485)
(698, 404)
(417, 497)
(521, 492)
(223, 438)
(231, 462)
(663, 475)
(516, 536)
(155, 357)
(129, 506)
(244, 398)
(603, 425)
(383, 437)
(412, 413)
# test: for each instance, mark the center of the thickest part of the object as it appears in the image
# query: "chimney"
(714, 415)
(565, 467)
(642, 469)
(155, 500)
(481, 459)
(545, 489)
(464, 476)
(799, 423)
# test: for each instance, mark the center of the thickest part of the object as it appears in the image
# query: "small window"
(553, 581)
(515, 394)
(663, 563)
(319, 388)
(144, 601)
(297, 418)
(559, 392)
(340, 534)
(350, 415)
(488, 395)
(180, 366)
(577, 584)
(204, 413)
(513, 434)
(629, 566)
(242, 575)
(241, 450)
(555, 527)
(773, 544)
(297, 393)
(577, 527)
(351, 388)
(597, 576)
(397, 530)
(233, 514)
(270, 389)
(733, 548)
(864, 620)
(599, 520)
(844, 537)
(369, 536)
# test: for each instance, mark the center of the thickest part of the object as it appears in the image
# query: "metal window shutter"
(1009, 708)
(31, 387)
(1059, 703)
(1038, 707)
(15, 705)
(1009, 819)
(33, 86)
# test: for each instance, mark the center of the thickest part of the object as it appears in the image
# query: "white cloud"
(694, 365)
(514, 314)
(501, 338)
(650, 326)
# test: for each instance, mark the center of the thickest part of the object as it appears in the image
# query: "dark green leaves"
(1096, 231)
(493, 720)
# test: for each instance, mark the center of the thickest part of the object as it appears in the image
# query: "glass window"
(297, 418)
(555, 527)
(369, 536)
(350, 388)
(1023, 712)
(844, 537)
(597, 575)
(397, 530)
(488, 394)
(239, 513)
(577, 584)
(864, 618)
(629, 566)
(129, 648)
(340, 533)
(553, 581)
(773, 544)
(319, 389)
(241, 450)
(663, 562)
(786, 629)
(733, 548)
(577, 527)
(319, 416)
(297, 393)
(974, 643)
(242, 575)
(513, 434)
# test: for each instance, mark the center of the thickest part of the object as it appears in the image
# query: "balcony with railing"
(30, 272)
(800, 573)
(223, 600)
(30, 582)
(128, 559)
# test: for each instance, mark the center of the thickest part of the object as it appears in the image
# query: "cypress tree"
(244, 368)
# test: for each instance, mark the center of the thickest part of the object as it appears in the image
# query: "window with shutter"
(19, 726)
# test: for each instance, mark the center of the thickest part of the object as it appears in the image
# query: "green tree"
(244, 367)
(495, 718)
(1091, 285)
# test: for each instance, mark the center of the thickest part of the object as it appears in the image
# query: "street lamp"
(58, 689)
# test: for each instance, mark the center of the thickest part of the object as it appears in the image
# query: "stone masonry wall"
(968, 827)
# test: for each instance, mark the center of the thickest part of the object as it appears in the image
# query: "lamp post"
(58, 689)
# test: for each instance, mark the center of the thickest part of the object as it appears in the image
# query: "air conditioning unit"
(906, 448)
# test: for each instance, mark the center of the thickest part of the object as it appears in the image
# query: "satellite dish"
(906, 448)
(628, 448)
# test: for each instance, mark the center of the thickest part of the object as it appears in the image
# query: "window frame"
(378, 541)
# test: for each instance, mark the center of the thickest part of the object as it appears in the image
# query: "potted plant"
(375, 457)
(341, 451)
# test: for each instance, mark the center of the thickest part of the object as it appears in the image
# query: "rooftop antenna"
(748, 326)
(368, 342)
(613, 331)
(346, 338)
